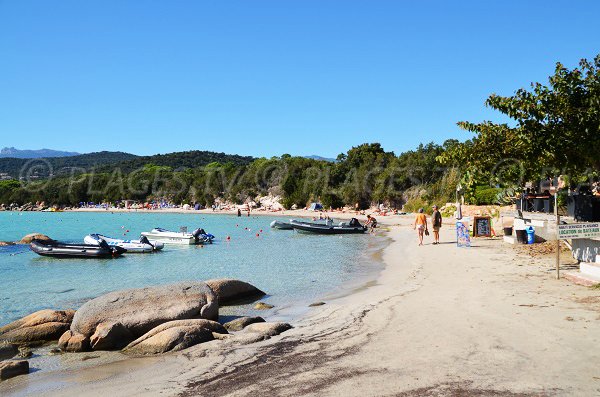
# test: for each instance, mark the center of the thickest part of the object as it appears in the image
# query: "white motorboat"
(142, 245)
(199, 236)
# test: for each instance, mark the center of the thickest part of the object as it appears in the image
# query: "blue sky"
(265, 78)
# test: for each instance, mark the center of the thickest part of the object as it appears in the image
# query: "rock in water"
(268, 329)
(8, 350)
(33, 236)
(41, 326)
(10, 369)
(232, 291)
(175, 336)
(140, 310)
(240, 323)
(263, 306)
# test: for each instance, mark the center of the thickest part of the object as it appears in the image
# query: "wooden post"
(557, 235)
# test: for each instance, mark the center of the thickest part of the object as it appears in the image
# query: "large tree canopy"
(556, 130)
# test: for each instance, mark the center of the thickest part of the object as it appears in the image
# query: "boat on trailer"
(142, 245)
(57, 249)
(352, 227)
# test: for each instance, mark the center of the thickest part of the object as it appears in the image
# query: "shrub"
(485, 195)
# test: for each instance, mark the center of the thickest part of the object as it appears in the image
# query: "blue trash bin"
(530, 234)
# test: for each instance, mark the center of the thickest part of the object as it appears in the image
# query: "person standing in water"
(239, 212)
(420, 225)
(436, 222)
(371, 223)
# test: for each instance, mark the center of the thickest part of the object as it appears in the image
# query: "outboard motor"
(201, 236)
(198, 233)
(103, 244)
(144, 240)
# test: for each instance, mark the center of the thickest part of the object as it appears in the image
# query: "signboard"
(482, 226)
(578, 230)
(462, 234)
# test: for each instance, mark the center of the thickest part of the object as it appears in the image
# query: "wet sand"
(439, 320)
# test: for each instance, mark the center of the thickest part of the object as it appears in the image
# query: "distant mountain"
(315, 157)
(11, 152)
(112, 161)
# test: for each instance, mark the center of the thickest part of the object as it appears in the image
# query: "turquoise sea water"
(292, 268)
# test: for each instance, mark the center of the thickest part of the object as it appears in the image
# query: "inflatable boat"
(281, 225)
(62, 250)
(352, 227)
(142, 245)
(198, 236)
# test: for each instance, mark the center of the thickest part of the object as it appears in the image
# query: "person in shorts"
(420, 225)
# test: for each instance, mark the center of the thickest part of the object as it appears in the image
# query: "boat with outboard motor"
(352, 227)
(142, 245)
(281, 225)
(64, 250)
(198, 236)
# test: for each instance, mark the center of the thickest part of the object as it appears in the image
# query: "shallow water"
(292, 268)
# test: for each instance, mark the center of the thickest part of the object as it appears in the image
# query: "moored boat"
(64, 250)
(352, 227)
(281, 225)
(198, 236)
(142, 245)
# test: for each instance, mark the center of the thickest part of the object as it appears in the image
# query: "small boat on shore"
(142, 245)
(62, 250)
(352, 227)
(198, 236)
(281, 225)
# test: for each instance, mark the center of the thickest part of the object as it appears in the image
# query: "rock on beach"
(41, 326)
(240, 323)
(231, 291)
(175, 336)
(10, 369)
(115, 319)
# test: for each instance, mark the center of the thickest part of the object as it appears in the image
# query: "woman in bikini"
(420, 225)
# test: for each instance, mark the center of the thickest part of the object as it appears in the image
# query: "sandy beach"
(438, 320)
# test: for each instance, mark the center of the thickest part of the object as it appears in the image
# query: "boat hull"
(281, 225)
(132, 246)
(171, 239)
(60, 250)
(306, 227)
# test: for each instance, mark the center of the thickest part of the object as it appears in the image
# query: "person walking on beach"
(421, 225)
(436, 222)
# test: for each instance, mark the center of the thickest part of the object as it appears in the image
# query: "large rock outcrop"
(175, 336)
(230, 291)
(115, 319)
(41, 326)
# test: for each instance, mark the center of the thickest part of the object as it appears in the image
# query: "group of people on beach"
(420, 225)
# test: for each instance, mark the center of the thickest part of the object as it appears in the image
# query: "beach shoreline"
(478, 321)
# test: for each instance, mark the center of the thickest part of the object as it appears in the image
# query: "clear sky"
(265, 78)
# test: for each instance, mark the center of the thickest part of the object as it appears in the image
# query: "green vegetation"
(556, 130)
